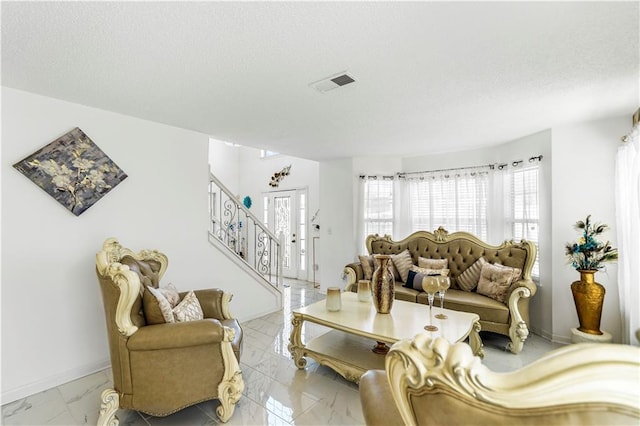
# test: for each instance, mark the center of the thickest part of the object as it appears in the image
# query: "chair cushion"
(495, 281)
(468, 279)
(460, 300)
(404, 293)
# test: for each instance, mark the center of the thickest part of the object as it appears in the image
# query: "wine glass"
(430, 286)
(443, 286)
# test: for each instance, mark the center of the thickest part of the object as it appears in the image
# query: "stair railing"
(243, 233)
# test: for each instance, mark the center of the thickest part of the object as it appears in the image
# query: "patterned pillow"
(403, 263)
(189, 309)
(496, 279)
(468, 279)
(367, 266)
(414, 279)
(171, 294)
(423, 262)
(156, 307)
(427, 271)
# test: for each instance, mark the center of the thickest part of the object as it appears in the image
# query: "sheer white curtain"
(454, 199)
(628, 233)
(376, 207)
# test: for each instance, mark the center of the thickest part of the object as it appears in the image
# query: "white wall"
(583, 183)
(337, 229)
(223, 162)
(53, 326)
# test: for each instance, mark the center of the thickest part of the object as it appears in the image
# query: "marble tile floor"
(276, 392)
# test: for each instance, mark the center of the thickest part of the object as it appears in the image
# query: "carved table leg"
(474, 340)
(296, 347)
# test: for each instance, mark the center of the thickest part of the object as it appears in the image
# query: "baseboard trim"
(561, 339)
(53, 381)
(547, 335)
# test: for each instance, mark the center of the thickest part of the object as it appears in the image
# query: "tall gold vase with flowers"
(588, 256)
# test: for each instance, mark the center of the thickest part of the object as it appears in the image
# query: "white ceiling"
(431, 76)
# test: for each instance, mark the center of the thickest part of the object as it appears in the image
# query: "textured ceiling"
(431, 77)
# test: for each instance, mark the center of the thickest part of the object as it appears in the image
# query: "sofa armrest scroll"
(353, 272)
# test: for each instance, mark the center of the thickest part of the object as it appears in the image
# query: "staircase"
(244, 238)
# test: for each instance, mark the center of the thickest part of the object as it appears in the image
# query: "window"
(378, 206)
(457, 202)
(523, 208)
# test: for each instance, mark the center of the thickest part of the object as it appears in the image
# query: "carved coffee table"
(355, 329)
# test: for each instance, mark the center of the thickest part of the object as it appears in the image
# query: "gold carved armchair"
(432, 382)
(162, 367)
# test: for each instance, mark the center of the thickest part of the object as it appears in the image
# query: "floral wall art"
(73, 170)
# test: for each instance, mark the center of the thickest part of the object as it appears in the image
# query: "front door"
(285, 215)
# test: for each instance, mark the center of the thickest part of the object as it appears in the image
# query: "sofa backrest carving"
(461, 249)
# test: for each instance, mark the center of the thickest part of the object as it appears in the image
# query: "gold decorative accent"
(588, 296)
(278, 176)
(382, 285)
(110, 403)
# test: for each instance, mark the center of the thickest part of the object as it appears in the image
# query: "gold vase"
(588, 296)
(382, 285)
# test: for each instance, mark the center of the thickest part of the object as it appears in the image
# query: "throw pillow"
(468, 279)
(170, 292)
(414, 278)
(423, 262)
(427, 271)
(155, 302)
(496, 279)
(367, 266)
(189, 309)
(403, 263)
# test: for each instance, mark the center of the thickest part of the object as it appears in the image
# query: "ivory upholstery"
(433, 382)
(462, 249)
(160, 369)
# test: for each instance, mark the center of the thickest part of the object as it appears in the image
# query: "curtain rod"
(490, 166)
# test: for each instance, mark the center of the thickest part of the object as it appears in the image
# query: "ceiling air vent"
(333, 82)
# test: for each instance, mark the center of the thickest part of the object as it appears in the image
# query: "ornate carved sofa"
(160, 368)
(434, 382)
(462, 250)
